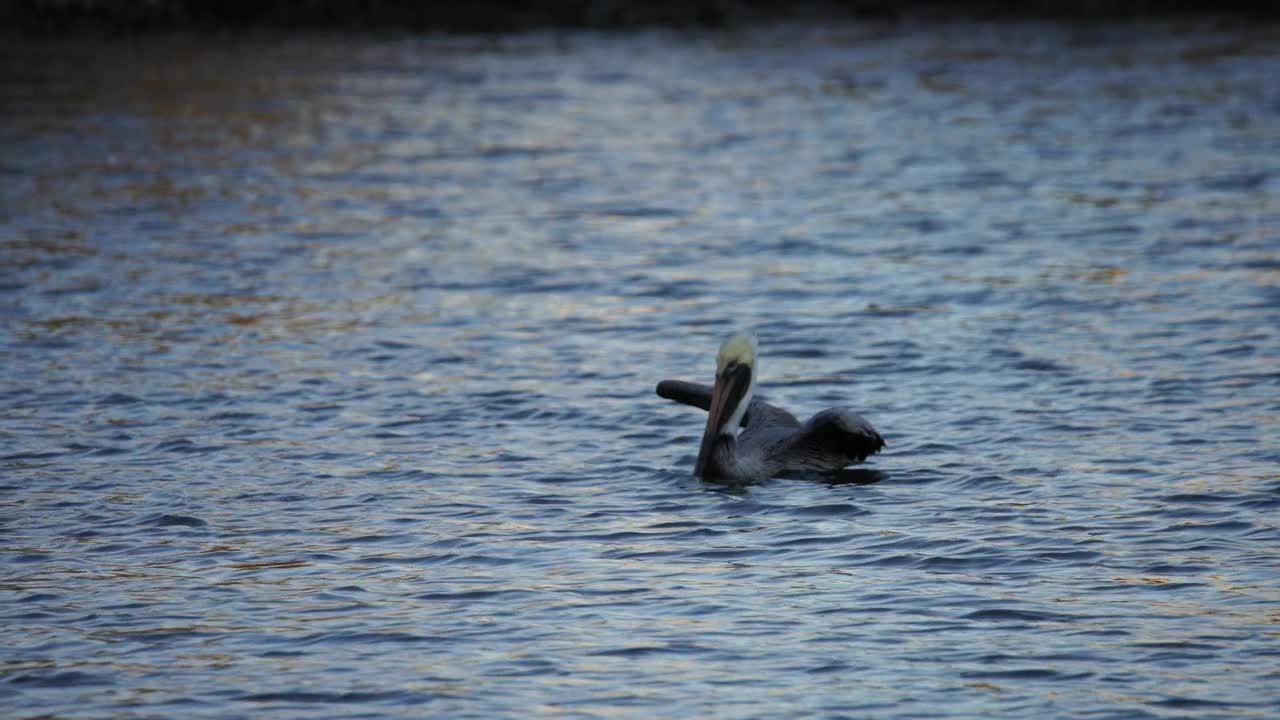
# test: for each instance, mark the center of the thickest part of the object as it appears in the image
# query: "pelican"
(772, 440)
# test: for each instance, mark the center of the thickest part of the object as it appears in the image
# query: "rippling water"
(329, 366)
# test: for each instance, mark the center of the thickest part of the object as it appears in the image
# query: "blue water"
(329, 367)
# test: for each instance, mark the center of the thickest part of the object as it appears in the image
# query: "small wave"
(177, 520)
(1015, 615)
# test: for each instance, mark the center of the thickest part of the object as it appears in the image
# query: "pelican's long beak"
(731, 387)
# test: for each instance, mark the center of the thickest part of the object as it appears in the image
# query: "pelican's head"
(735, 382)
(738, 348)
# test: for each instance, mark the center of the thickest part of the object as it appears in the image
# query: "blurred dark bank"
(514, 15)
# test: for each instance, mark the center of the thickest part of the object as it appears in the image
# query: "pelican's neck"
(734, 423)
(731, 462)
(723, 462)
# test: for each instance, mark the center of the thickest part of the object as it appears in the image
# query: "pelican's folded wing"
(836, 437)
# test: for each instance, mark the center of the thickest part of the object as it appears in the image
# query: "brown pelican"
(772, 440)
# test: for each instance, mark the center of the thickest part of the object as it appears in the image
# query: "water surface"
(329, 366)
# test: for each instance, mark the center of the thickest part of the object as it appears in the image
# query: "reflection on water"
(329, 367)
